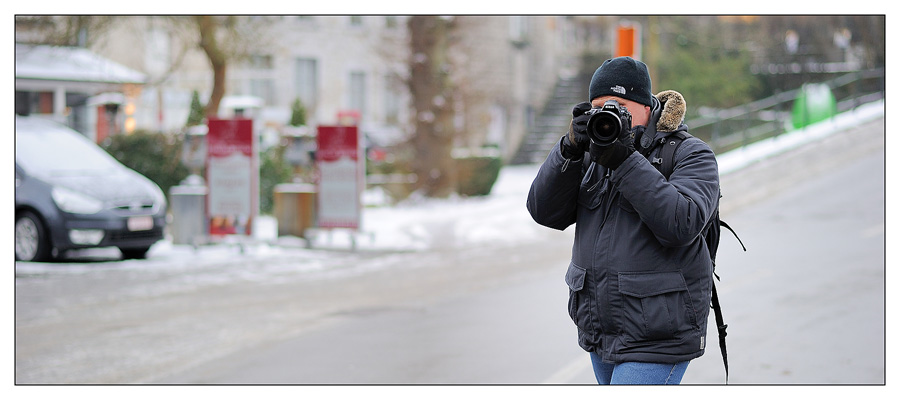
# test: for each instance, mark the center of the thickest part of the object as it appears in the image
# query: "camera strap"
(643, 138)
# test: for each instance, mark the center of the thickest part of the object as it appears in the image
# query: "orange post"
(625, 40)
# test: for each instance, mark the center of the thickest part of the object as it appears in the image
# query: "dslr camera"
(607, 122)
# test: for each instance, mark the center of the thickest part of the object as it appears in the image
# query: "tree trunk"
(432, 97)
(207, 27)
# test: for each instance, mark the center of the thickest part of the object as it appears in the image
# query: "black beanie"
(624, 77)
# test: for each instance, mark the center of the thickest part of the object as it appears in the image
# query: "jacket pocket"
(579, 307)
(656, 305)
(592, 189)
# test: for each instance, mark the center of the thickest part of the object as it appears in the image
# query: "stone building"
(344, 69)
(350, 68)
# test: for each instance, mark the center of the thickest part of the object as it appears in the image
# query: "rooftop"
(70, 64)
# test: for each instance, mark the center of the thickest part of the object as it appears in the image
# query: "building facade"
(346, 69)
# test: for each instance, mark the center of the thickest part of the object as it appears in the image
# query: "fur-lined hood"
(666, 116)
(673, 109)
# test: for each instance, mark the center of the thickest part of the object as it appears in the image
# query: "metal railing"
(727, 129)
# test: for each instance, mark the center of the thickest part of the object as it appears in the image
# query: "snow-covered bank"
(501, 217)
(739, 158)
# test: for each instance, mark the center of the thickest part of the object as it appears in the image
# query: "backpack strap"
(665, 163)
(666, 160)
(720, 326)
(717, 308)
(725, 225)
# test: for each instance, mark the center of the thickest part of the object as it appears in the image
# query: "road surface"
(805, 304)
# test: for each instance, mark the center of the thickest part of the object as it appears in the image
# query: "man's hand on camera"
(576, 142)
(611, 156)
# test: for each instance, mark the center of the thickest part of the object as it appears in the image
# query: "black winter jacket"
(640, 278)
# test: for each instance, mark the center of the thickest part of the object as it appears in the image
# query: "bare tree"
(224, 40)
(76, 30)
(207, 27)
(432, 95)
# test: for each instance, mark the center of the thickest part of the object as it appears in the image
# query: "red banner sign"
(232, 174)
(341, 179)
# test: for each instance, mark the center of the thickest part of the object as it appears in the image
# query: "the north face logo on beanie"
(624, 77)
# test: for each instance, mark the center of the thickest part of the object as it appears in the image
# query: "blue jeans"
(637, 373)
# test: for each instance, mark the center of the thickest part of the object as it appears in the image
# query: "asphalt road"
(805, 304)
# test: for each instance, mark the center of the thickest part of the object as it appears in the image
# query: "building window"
(390, 22)
(260, 61)
(306, 81)
(391, 100)
(357, 98)
(518, 30)
(264, 89)
(156, 53)
(42, 103)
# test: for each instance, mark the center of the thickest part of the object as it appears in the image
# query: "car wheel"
(32, 243)
(134, 253)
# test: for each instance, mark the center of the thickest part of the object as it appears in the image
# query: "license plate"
(140, 223)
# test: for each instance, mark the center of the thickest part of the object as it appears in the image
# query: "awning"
(74, 64)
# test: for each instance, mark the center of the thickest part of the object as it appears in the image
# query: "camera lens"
(603, 128)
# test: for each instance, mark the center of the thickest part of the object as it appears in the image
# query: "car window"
(57, 151)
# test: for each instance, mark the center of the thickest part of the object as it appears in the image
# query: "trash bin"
(187, 203)
(295, 208)
(814, 103)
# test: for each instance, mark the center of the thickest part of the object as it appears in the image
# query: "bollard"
(187, 203)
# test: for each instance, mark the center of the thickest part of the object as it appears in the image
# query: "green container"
(477, 171)
(815, 103)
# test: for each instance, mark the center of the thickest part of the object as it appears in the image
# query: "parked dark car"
(71, 194)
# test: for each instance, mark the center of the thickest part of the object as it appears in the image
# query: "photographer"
(640, 276)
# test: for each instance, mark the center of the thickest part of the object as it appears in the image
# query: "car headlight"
(76, 203)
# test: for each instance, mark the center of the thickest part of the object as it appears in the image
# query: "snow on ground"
(501, 217)
(736, 159)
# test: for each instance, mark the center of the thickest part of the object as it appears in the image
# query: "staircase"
(553, 121)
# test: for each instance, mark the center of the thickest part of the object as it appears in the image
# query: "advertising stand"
(339, 159)
(232, 170)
